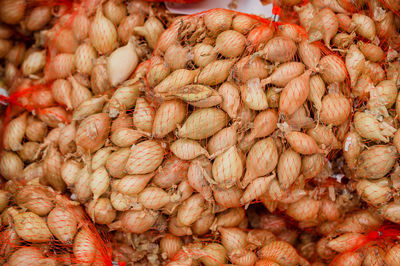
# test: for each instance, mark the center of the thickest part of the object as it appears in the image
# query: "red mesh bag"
(46, 227)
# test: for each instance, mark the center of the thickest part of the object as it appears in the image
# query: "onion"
(52, 168)
(243, 23)
(69, 171)
(116, 162)
(176, 80)
(232, 217)
(80, 26)
(363, 87)
(203, 225)
(84, 247)
(102, 33)
(365, 26)
(261, 160)
(375, 71)
(317, 90)
(230, 43)
(232, 238)
(259, 36)
(324, 26)
(256, 188)
(93, 131)
(249, 67)
(153, 198)
(65, 42)
(187, 149)
(223, 140)
(279, 49)
(42, 98)
(295, 94)
(12, 12)
(11, 166)
(82, 184)
(145, 157)
(284, 74)
(203, 123)
(302, 143)
(215, 72)
(368, 127)
(371, 51)
(376, 162)
(15, 132)
(143, 115)
(168, 37)
(30, 227)
(304, 209)
(228, 198)
(280, 252)
(218, 20)
(114, 11)
(176, 57)
(178, 230)
(101, 211)
(335, 109)
(392, 255)
(61, 66)
(172, 172)
(385, 92)
(62, 223)
(167, 117)
(132, 184)
(79, 93)
(151, 31)
(85, 54)
(346, 242)
(34, 63)
(61, 90)
(66, 141)
(374, 192)
(190, 210)
(36, 199)
(4, 199)
(89, 107)
(227, 168)
(99, 182)
(253, 95)
(121, 63)
(385, 27)
(332, 69)
(99, 77)
(170, 244)
(355, 61)
(352, 147)
(306, 14)
(33, 171)
(390, 211)
(214, 254)
(135, 221)
(126, 26)
(31, 255)
(289, 168)
(16, 54)
(198, 176)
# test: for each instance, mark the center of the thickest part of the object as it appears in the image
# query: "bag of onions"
(42, 226)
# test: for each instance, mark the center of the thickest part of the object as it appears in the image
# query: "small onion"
(145, 157)
(62, 223)
(102, 33)
(93, 132)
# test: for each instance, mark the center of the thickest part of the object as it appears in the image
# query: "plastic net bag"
(42, 226)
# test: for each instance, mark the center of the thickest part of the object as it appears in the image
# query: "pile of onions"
(176, 132)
